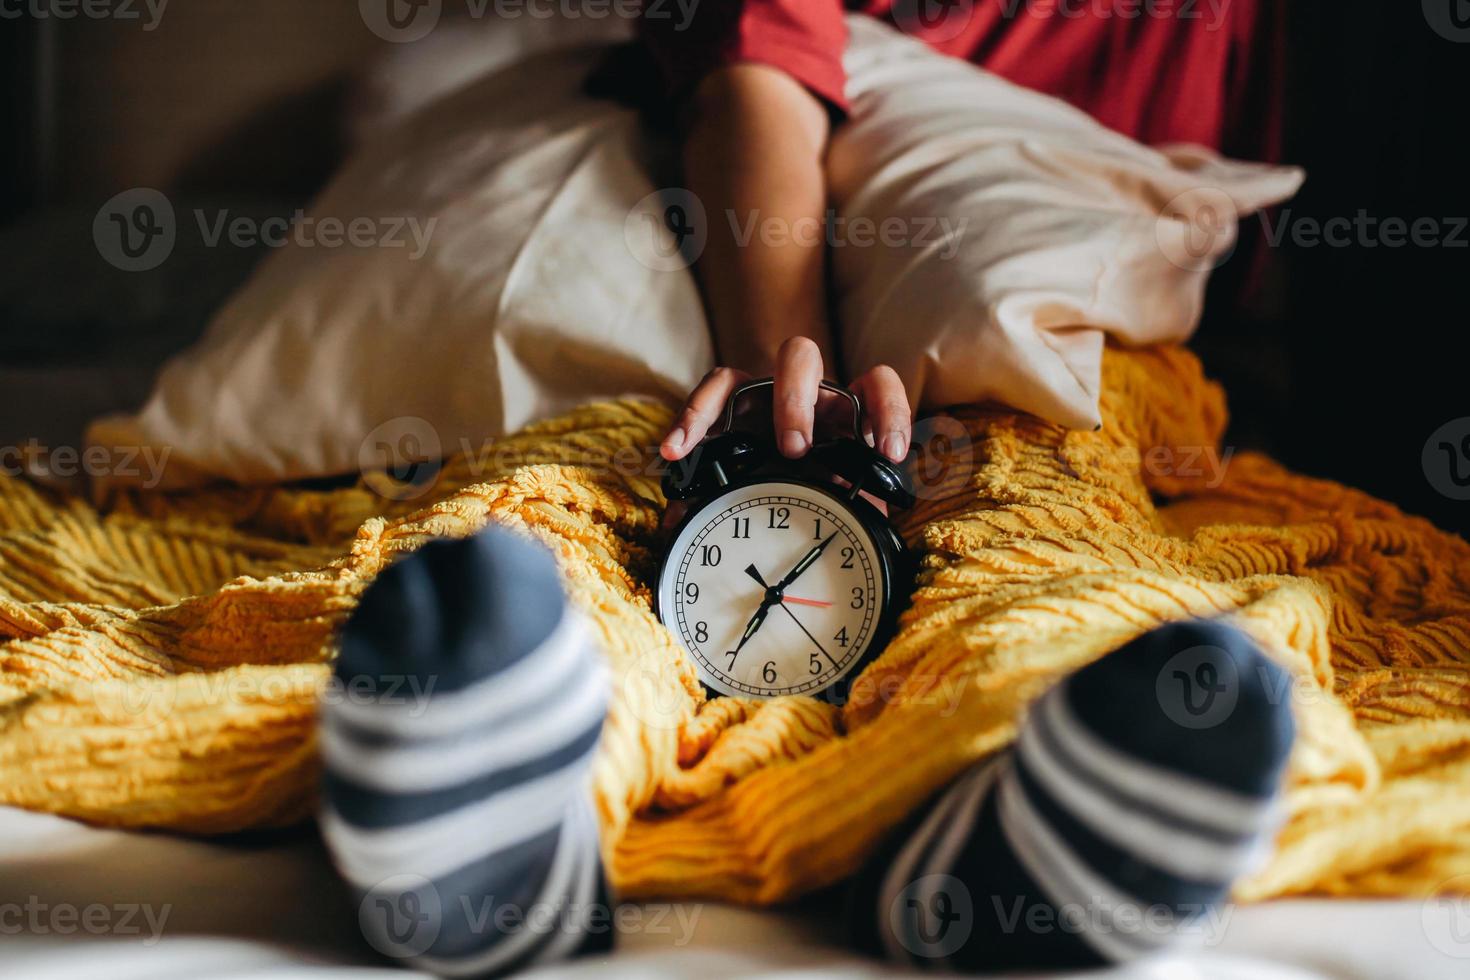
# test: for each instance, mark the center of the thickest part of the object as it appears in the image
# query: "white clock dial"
(750, 639)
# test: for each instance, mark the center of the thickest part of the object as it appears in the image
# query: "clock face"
(775, 588)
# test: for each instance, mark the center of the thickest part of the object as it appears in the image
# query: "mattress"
(81, 902)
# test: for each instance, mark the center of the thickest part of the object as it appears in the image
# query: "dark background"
(1341, 361)
(1344, 361)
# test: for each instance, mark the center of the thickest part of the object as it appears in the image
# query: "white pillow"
(525, 302)
(1060, 231)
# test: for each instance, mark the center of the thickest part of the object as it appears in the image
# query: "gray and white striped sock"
(457, 739)
(1139, 790)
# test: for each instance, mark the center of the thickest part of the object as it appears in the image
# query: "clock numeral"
(701, 631)
(816, 665)
(691, 593)
(709, 555)
(780, 518)
(742, 528)
(732, 654)
(817, 534)
(857, 598)
(841, 637)
(768, 672)
(847, 556)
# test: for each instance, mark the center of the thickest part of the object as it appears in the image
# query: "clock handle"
(749, 386)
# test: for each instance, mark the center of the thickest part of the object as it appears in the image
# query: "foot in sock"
(456, 795)
(1140, 788)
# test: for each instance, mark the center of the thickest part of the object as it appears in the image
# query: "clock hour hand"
(760, 614)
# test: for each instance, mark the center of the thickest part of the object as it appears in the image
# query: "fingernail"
(793, 443)
(893, 447)
(675, 439)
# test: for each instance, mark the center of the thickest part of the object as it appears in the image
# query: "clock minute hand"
(807, 561)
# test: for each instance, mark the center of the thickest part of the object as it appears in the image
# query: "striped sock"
(1139, 790)
(457, 741)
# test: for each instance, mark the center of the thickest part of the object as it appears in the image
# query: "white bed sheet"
(272, 908)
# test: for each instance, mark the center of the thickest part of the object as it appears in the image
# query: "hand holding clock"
(798, 371)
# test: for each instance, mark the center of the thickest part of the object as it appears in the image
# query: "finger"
(794, 399)
(705, 404)
(886, 405)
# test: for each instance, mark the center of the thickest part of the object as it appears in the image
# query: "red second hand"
(797, 601)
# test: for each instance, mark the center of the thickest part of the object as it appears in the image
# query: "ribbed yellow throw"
(163, 656)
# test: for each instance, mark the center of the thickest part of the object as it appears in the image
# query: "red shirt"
(1158, 70)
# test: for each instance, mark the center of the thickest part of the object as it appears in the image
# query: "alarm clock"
(781, 580)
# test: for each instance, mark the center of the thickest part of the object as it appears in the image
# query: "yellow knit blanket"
(162, 658)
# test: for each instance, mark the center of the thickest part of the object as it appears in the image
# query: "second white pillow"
(1019, 232)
